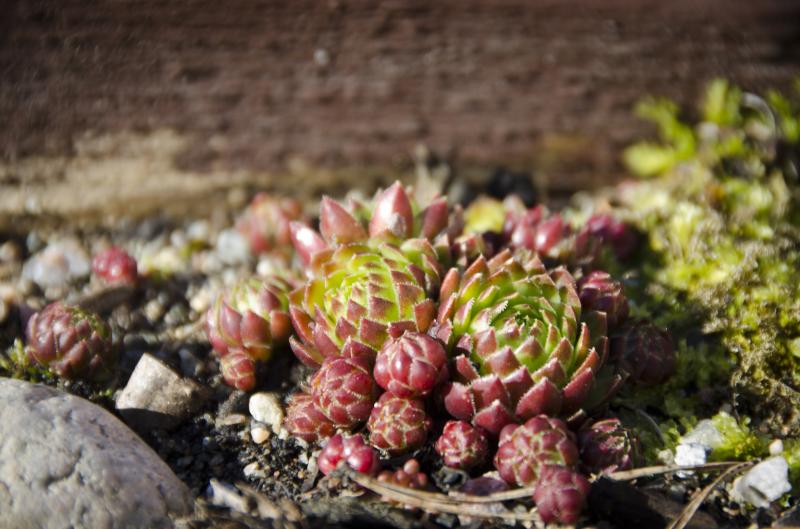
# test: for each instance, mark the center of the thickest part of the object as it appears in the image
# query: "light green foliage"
(739, 442)
(720, 207)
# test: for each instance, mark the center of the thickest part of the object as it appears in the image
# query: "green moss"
(739, 442)
(720, 209)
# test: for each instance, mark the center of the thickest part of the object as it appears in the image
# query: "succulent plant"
(352, 450)
(115, 266)
(524, 449)
(360, 295)
(462, 445)
(539, 231)
(605, 230)
(238, 370)
(600, 292)
(606, 446)
(265, 223)
(72, 342)
(408, 476)
(392, 216)
(645, 352)
(344, 391)
(305, 421)
(560, 494)
(411, 365)
(521, 326)
(398, 425)
(249, 319)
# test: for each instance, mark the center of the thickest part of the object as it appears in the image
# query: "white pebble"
(232, 248)
(690, 454)
(259, 434)
(266, 408)
(254, 470)
(58, 264)
(776, 447)
(764, 483)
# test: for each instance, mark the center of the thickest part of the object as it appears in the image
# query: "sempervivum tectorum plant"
(398, 425)
(560, 494)
(72, 342)
(600, 292)
(344, 391)
(246, 322)
(265, 223)
(645, 352)
(521, 326)
(351, 450)
(411, 365)
(305, 421)
(392, 216)
(524, 449)
(115, 266)
(606, 446)
(539, 231)
(360, 295)
(605, 231)
(462, 445)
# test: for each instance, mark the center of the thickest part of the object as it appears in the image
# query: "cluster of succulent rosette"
(427, 324)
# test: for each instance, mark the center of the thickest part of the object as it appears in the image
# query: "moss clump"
(718, 204)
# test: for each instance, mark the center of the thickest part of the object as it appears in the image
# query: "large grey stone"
(67, 463)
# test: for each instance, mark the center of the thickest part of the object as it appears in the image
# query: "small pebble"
(58, 264)
(10, 252)
(259, 434)
(266, 408)
(232, 248)
(764, 483)
(776, 447)
(254, 470)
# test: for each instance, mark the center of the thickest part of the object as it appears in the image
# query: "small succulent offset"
(343, 390)
(598, 291)
(411, 365)
(266, 223)
(607, 446)
(398, 425)
(115, 266)
(244, 325)
(645, 352)
(521, 325)
(74, 343)
(560, 494)
(350, 450)
(462, 445)
(305, 421)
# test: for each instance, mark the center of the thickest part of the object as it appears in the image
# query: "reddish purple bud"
(435, 218)
(344, 391)
(462, 445)
(72, 342)
(412, 365)
(549, 233)
(352, 450)
(239, 370)
(408, 476)
(306, 241)
(646, 352)
(524, 450)
(398, 425)
(337, 225)
(266, 222)
(560, 494)
(600, 292)
(114, 265)
(610, 231)
(392, 213)
(606, 446)
(305, 421)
